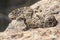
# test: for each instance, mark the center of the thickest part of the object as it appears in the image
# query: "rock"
(16, 26)
(39, 23)
(33, 34)
(45, 6)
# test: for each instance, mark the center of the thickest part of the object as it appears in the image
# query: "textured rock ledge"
(37, 34)
(14, 30)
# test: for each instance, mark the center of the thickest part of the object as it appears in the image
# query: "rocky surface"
(33, 34)
(35, 22)
(16, 26)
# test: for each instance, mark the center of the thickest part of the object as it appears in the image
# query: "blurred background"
(9, 5)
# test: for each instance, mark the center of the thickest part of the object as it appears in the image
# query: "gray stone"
(16, 26)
